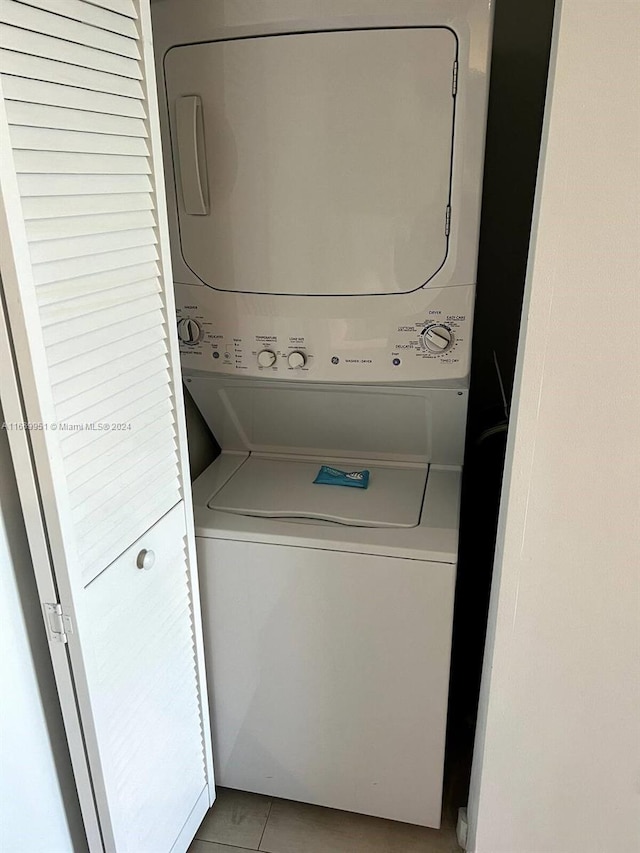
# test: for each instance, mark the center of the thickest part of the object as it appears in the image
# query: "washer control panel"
(220, 333)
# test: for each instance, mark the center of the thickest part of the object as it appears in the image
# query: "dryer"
(324, 202)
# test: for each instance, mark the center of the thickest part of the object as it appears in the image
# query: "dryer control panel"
(422, 338)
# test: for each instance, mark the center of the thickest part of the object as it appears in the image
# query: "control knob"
(297, 359)
(189, 331)
(266, 358)
(437, 338)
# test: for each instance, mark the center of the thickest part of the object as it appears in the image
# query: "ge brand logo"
(335, 360)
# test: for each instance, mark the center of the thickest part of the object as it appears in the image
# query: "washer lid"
(272, 487)
(306, 419)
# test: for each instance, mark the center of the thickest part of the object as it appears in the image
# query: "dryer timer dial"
(437, 338)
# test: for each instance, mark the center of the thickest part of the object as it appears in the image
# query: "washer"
(328, 610)
(324, 206)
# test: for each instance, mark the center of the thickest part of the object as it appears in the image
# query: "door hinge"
(447, 220)
(58, 623)
(454, 85)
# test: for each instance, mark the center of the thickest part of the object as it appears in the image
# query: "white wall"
(38, 806)
(556, 759)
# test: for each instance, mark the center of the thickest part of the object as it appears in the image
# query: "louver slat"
(54, 95)
(88, 14)
(39, 68)
(38, 185)
(37, 115)
(41, 139)
(39, 44)
(48, 207)
(39, 21)
(122, 7)
(66, 163)
(60, 291)
(76, 226)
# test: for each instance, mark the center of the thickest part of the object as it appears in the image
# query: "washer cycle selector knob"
(297, 359)
(189, 331)
(437, 338)
(266, 358)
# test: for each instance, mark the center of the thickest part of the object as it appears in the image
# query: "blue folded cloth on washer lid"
(333, 477)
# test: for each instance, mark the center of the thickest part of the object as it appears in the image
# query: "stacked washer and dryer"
(324, 193)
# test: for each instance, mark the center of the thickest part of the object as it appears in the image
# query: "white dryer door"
(314, 163)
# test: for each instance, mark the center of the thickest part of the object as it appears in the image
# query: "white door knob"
(145, 559)
(266, 358)
(297, 359)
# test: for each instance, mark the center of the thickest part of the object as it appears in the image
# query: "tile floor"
(247, 822)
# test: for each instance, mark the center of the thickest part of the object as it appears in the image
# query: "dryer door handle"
(192, 155)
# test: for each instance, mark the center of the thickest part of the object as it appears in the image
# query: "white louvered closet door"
(91, 333)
